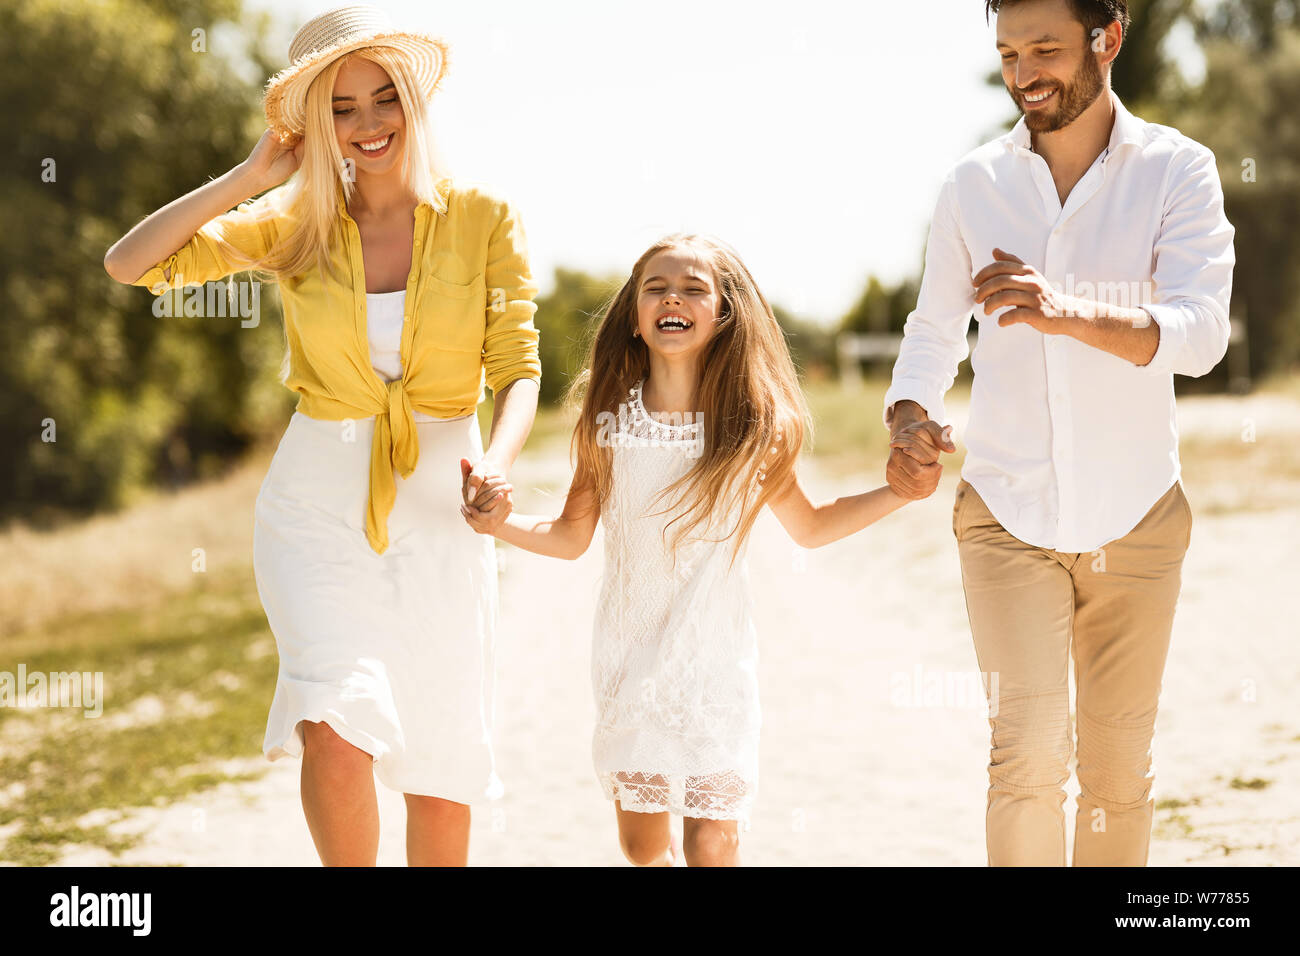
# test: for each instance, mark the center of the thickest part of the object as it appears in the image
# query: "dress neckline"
(689, 428)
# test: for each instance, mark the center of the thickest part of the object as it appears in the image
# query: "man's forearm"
(1128, 333)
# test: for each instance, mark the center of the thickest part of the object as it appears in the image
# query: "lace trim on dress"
(642, 424)
(716, 796)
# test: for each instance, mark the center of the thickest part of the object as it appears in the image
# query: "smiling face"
(677, 301)
(1048, 62)
(368, 119)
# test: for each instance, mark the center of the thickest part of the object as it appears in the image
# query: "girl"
(692, 418)
(382, 602)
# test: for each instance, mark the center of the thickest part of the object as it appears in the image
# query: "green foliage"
(114, 114)
(1245, 111)
(566, 320)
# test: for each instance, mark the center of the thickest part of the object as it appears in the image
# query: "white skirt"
(394, 651)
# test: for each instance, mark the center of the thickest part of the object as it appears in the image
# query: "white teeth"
(371, 147)
(672, 322)
(1039, 98)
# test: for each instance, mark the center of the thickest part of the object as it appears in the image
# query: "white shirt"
(1068, 445)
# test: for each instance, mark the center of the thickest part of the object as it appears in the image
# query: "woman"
(403, 291)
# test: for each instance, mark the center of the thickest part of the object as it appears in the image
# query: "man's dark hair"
(1093, 14)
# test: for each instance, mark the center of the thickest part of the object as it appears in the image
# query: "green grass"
(1255, 783)
(72, 764)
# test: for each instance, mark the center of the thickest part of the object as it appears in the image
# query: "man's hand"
(913, 470)
(482, 483)
(1008, 281)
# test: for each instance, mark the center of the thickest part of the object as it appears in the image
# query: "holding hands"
(486, 495)
(913, 470)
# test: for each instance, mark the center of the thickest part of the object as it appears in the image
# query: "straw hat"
(329, 36)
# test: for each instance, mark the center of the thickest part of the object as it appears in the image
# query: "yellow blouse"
(469, 319)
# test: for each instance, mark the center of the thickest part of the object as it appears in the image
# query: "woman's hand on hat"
(272, 160)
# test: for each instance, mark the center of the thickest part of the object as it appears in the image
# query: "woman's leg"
(711, 842)
(645, 838)
(338, 797)
(437, 831)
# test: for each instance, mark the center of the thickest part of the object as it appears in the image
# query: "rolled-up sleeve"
(1194, 259)
(510, 344)
(934, 336)
(250, 229)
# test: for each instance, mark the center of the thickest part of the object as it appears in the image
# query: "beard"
(1073, 97)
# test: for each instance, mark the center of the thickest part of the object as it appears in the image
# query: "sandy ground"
(857, 766)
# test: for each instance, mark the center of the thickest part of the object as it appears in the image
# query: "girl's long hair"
(755, 417)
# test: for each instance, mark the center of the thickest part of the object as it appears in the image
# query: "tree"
(116, 109)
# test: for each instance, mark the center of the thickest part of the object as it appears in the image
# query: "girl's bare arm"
(566, 536)
(812, 525)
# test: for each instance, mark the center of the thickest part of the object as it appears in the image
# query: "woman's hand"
(272, 162)
(491, 519)
(481, 482)
(487, 496)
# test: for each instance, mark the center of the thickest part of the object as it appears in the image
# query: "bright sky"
(812, 136)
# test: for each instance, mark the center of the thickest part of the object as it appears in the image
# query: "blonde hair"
(307, 204)
(755, 416)
(308, 201)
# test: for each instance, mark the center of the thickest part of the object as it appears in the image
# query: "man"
(1093, 248)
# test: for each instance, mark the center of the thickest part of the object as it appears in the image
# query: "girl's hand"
(491, 519)
(480, 483)
(272, 162)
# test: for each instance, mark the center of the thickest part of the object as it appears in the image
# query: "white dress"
(393, 651)
(674, 650)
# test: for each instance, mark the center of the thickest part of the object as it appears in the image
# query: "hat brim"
(284, 100)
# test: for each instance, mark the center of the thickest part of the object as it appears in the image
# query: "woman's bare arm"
(164, 231)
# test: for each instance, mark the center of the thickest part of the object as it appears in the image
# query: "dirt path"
(858, 765)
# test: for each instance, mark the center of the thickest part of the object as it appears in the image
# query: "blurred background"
(812, 138)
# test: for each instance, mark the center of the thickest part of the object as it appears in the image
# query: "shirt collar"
(1126, 129)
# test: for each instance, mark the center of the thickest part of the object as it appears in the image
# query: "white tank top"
(385, 315)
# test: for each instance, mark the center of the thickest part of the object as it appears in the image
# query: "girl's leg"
(645, 838)
(711, 842)
(437, 831)
(338, 797)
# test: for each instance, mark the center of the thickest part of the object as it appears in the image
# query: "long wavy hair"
(755, 417)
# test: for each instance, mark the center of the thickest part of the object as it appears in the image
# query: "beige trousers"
(1027, 606)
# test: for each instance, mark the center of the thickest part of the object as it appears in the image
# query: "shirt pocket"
(452, 314)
